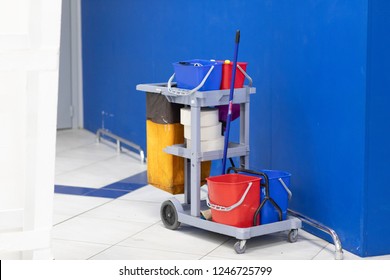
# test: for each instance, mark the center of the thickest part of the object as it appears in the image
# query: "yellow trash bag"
(166, 171)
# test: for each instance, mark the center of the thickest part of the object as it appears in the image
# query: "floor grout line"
(77, 215)
(208, 253)
(95, 163)
(75, 147)
(323, 248)
(115, 244)
(82, 167)
(78, 241)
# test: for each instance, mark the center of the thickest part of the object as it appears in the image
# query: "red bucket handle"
(229, 208)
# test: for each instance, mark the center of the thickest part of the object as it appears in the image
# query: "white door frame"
(76, 64)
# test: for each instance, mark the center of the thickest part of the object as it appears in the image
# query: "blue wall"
(318, 111)
(377, 187)
(130, 42)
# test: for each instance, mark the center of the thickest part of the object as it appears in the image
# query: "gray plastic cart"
(172, 211)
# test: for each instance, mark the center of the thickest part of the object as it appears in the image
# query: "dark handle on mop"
(237, 36)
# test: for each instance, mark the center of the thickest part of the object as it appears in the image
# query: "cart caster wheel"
(240, 246)
(293, 235)
(168, 215)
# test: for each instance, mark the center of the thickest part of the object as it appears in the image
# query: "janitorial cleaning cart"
(196, 100)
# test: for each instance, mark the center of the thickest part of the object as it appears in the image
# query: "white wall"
(29, 57)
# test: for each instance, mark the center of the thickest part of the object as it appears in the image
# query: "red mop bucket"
(233, 199)
(227, 69)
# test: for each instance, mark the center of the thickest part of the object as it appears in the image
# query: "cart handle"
(229, 208)
(184, 92)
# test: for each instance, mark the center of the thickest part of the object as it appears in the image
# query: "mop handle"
(234, 69)
(228, 120)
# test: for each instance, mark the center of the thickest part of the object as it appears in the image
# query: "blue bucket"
(190, 73)
(278, 192)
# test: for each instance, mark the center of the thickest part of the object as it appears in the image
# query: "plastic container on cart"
(190, 73)
(279, 184)
(274, 193)
(233, 199)
(227, 69)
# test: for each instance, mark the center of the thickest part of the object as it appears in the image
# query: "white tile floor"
(129, 227)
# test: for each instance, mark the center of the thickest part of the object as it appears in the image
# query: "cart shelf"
(200, 98)
(234, 150)
(183, 211)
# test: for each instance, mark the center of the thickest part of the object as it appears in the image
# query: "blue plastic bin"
(190, 73)
(278, 193)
